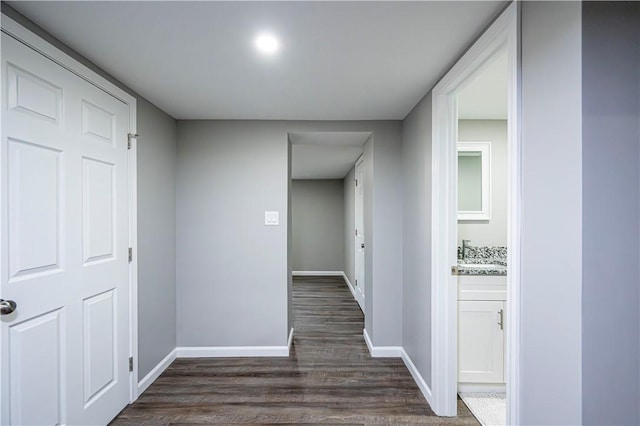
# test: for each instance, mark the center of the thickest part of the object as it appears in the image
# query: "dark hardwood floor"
(328, 378)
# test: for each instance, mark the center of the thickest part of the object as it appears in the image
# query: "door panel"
(100, 357)
(97, 212)
(65, 256)
(36, 378)
(98, 123)
(34, 209)
(33, 95)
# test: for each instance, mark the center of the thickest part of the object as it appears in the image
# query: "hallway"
(329, 377)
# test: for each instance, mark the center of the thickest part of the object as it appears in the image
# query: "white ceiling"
(338, 60)
(325, 155)
(485, 97)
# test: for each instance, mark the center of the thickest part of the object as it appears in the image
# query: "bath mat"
(490, 408)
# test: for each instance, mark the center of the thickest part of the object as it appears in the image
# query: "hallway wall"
(611, 213)
(551, 268)
(231, 269)
(156, 236)
(318, 224)
(416, 215)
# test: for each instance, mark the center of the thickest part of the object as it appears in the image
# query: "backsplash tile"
(485, 255)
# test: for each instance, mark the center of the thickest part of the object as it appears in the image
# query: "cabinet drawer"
(482, 287)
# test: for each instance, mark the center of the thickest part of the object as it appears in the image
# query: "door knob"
(7, 306)
(362, 245)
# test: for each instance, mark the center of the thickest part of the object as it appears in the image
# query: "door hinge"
(356, 283)
(130, 254)
(129, 137)
(131, 363)
(356, 182)
(356, 232)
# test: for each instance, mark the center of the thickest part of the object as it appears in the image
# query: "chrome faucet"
(465, 246)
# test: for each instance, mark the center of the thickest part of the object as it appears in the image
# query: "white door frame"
(359, 290)
(30, 39)
(504, 33)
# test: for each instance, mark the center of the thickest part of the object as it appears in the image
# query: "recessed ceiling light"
(267, 44)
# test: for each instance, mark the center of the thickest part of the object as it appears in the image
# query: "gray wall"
(349, 192)
(318, 224)
(610, 216)
(551, 374)
(384, 179)
(156, 213)
(232, 270)
(491, 232)
(416, 169)
(551, 232)
(156, 235)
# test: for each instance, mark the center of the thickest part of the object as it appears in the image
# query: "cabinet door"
(480, 342)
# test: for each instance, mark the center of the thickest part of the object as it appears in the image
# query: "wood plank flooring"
(328, 378)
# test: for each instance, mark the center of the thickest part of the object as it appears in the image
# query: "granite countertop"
(466, 268)
(483, 261)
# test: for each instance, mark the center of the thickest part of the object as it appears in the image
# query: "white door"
(360, 247)
(481, 341)
(64, 231)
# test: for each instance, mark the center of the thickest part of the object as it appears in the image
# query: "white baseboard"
(399, 352)
(156, 371)
(417, 377)
(290, 339)
(353, 290)
(381, 351)
(482, 387)
(367, 340)
(317, 273)
(231, 351)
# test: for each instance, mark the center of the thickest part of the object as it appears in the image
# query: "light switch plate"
(272, 218)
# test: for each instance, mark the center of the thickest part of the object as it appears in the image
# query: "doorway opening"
(482, 240)
(326, 237)
(451, 319)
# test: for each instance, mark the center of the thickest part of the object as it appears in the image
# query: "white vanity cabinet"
(481, 320)
(480, 341)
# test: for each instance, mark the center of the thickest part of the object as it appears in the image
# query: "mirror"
(474, 177)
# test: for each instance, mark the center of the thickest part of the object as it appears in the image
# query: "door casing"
(359, 224)
(504, 33)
